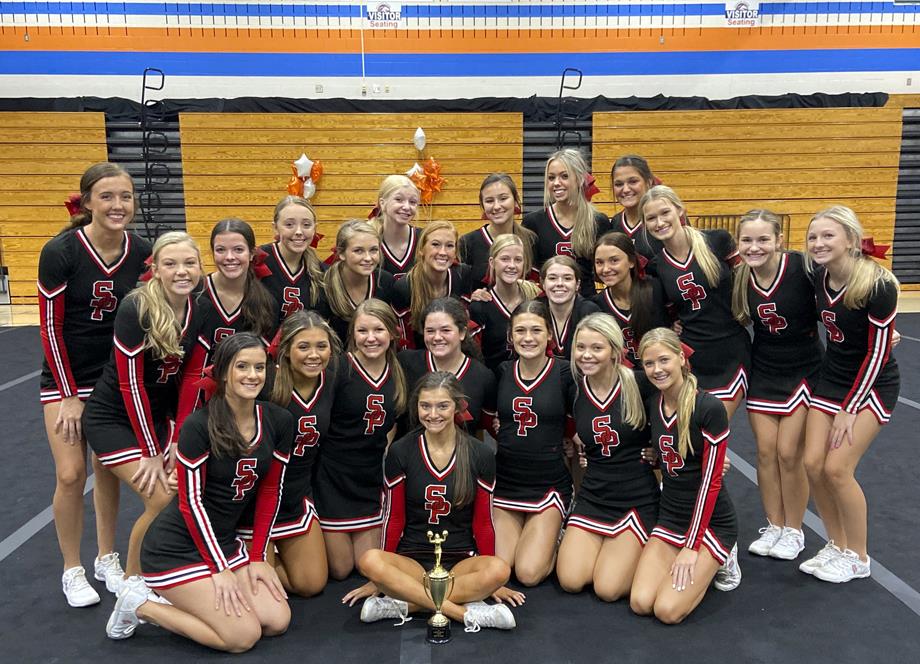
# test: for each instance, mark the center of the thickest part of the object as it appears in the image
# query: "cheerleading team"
(773, 292)
(231, 453)
(396, 209)
(83, 274)
(439, 478)
(857, 388)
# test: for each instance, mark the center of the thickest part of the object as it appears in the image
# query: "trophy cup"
(438, 583)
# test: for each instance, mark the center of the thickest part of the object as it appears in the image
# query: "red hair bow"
(333, 257)
(625, 361)
(374, 213)
(74, 204)
(551, 347)
(872, 250)
(462, 414)
(147, 274)
(206, 383)
(641, 263)
(589, 189)
(259, 268)
(316, 238)
(688, 352)
(273, 346)
(656, 181)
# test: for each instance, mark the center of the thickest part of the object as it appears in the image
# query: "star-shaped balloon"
(304, 166)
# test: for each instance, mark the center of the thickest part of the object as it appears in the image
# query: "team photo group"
(553, 389)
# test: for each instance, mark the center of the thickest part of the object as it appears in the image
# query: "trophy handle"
(450, 586)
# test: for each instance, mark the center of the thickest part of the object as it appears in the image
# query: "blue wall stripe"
(447, 11)
(90, 63)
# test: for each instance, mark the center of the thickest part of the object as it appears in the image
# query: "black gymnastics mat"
(777, 613)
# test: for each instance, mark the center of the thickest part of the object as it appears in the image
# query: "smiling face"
(436, 410)
(662, 219)
(498, 203)
(440, 250)
(401, 206)
(628, 186)
(372, 339)
(612, 265)
(310, 352)
(559, 181)
(231, 255)
(111, 202)
(296, 227)
(362, 254)
(178, 268)
(592, 352)
(663, 367)
(758, 243)
(442, 336)
(560, 284)
(246, 374)
(508, 264)
(529, 335)
(827, 241)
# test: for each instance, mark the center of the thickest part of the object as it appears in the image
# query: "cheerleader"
(435, 273)
(773, 292)
(240, 302)
(83, 274)
(534, 487)
(500, 202)
(449, 347)
(696, 275)
(569, 224)
(491, 308)
(560, 278)
(617, 503)
(294, 274)
(630, 178)
(858, 384)
(150, 384)
(370, 395)
(437, 478)
(696, 528)
(354, 275)
(396, 209)
(232, 453)
(634, 298)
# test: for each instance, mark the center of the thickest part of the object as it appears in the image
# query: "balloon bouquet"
(305, 174)
(426, 176)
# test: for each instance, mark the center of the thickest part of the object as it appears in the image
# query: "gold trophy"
(438, 583)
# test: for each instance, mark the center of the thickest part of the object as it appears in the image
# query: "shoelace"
(402, 620)
(77, 581)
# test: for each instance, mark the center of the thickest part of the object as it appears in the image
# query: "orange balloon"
(295, 184)
(317, 171)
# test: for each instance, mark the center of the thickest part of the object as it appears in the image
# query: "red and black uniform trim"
(195, 536)
(221, 323)
(379, 287)
(564, 330)
(459, 287)
(492, 320)
(291, 290)
(78, 295)
(398, 266)
(645, 245)
(604, 301)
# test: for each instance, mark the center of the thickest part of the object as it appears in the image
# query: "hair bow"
(374, 213)
(551, 347)
(641, 263)
(206, 383)
(74, 204)
(688, 352)
(259, 268)
(333, 257)
(625, 359)
(273, 346)
(589, 188)
(872, 250)
(462, 414)
(147, 274)
(656, 181)
(316, 238)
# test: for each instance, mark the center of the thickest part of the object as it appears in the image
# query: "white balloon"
(419, 139)
(308, 188)
(415, 169)
(303, 165)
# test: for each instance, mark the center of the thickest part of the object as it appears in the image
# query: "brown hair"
(290, 328)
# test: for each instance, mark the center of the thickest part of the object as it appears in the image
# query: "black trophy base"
(438, 633)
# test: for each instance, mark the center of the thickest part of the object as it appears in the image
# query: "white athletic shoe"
(768, 537)
(382, 608)
(729, 575)
(826, 554)
(789, 545)
(480, 614)
(108, 569)
(77, 589)
(124, 620)
(844, 567)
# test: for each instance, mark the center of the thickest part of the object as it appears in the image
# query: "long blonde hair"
(384, 313)
(632, 410)
(290, 328)
(334, 282)
(740, 307)
(162, 330)
(390, 185)
(866, 274)
(686, 399)
(707, 260)
(529, 289)
(420, 286)
(584, 230)
(310, 260)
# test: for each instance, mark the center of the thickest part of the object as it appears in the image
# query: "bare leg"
(106, 497)
(671, 605)
(817, 428)
(70, 479)
(616, 566)
(343, 549)
(790, 447)
(536, 548)
(508, 527)
(301, 563)
(577, 557)
(153, 505)
(654, 568)
(766, 432)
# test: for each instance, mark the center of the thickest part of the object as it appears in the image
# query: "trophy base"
(438, 634)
